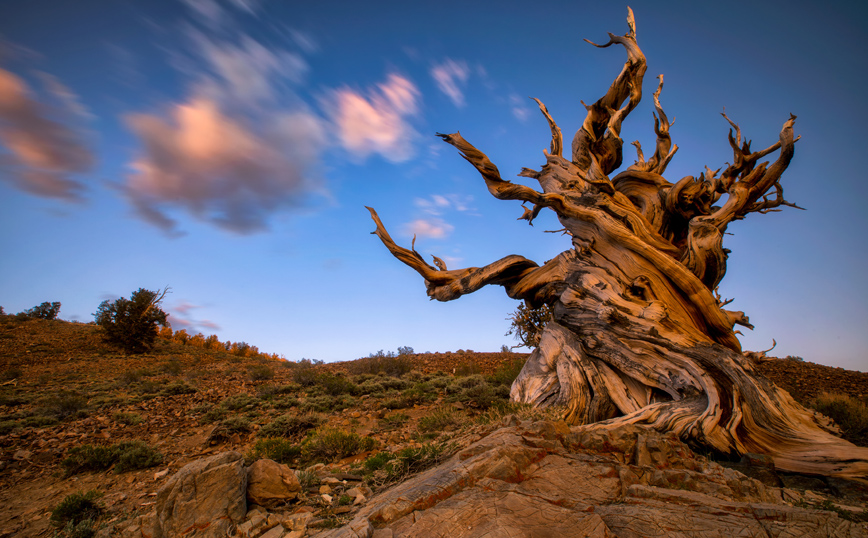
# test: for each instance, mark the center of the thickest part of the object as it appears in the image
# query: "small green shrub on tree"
(132, 323)
(528, 323)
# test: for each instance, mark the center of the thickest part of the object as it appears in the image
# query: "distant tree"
(181, 337)
(197, 340)
(44, 311)
(132, 323)
(405, 350)
(213, 342)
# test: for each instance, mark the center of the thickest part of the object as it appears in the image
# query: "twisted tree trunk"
(639, 333)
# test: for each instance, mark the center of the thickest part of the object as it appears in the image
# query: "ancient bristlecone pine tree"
(639, 333)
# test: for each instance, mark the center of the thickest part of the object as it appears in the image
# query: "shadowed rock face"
(548, 479)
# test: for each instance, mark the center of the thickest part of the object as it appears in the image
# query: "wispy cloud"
(212, 13)
(181, 317)
(434, 228)
(237, 150)
(437, 204)
(378, 122)
(519, 109)
(450, 76)
(43, 150)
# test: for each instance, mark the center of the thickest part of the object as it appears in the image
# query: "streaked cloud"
(245, 70)
(213, 13)
(43, 149)
(450, 76)
(220, 168)
(239, 148)
(378, 122)
(181, 317)
(434, 228)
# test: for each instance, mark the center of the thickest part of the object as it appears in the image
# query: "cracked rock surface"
(545, 479)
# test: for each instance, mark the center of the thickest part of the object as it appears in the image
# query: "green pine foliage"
(132, 323)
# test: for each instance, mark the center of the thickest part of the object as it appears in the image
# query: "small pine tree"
(132, 323)
(528, 323)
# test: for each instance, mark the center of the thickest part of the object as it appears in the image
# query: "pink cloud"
(377, 123)
(434, 228)
(43, 152)
(221, 168)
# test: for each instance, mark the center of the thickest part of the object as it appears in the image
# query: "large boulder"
(203, 499)
(270, 483)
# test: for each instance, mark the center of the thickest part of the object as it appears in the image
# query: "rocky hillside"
(78, 416)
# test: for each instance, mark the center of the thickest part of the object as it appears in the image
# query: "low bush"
(330, 445)
(507, 372)
(291, 426)
(394, 420)
(64, 404)
(484, 396)
(213, 414)
(278, 449)
(172, 367)
(240, 402)
(413, 396)
(230, 426)
(177, 388)
(260, 372)
(8, 426)
(130, 419)
(77, 508)
(850, 414)
(438, 420)
(11, 374)
(386, 468)
(133, 455)
(268, 392)
(326, 404)
(124, 456)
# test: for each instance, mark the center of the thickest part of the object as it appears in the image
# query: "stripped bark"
(640, 334)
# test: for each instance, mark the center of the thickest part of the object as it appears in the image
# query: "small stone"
(297, 521)
(359, 499)
(330, 480)
(21, 455)
(325, 489)
(327, 498)
(160, 474)
(275, 532)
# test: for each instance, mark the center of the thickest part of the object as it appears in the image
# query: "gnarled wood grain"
(640, 334)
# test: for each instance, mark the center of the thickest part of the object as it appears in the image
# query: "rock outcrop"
(548, 479)
(203, 499)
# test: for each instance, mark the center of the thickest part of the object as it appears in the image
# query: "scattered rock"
(270, 483)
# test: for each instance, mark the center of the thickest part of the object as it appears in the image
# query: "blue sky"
(227, 148)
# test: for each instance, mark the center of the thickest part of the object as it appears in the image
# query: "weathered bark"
(640, 334)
